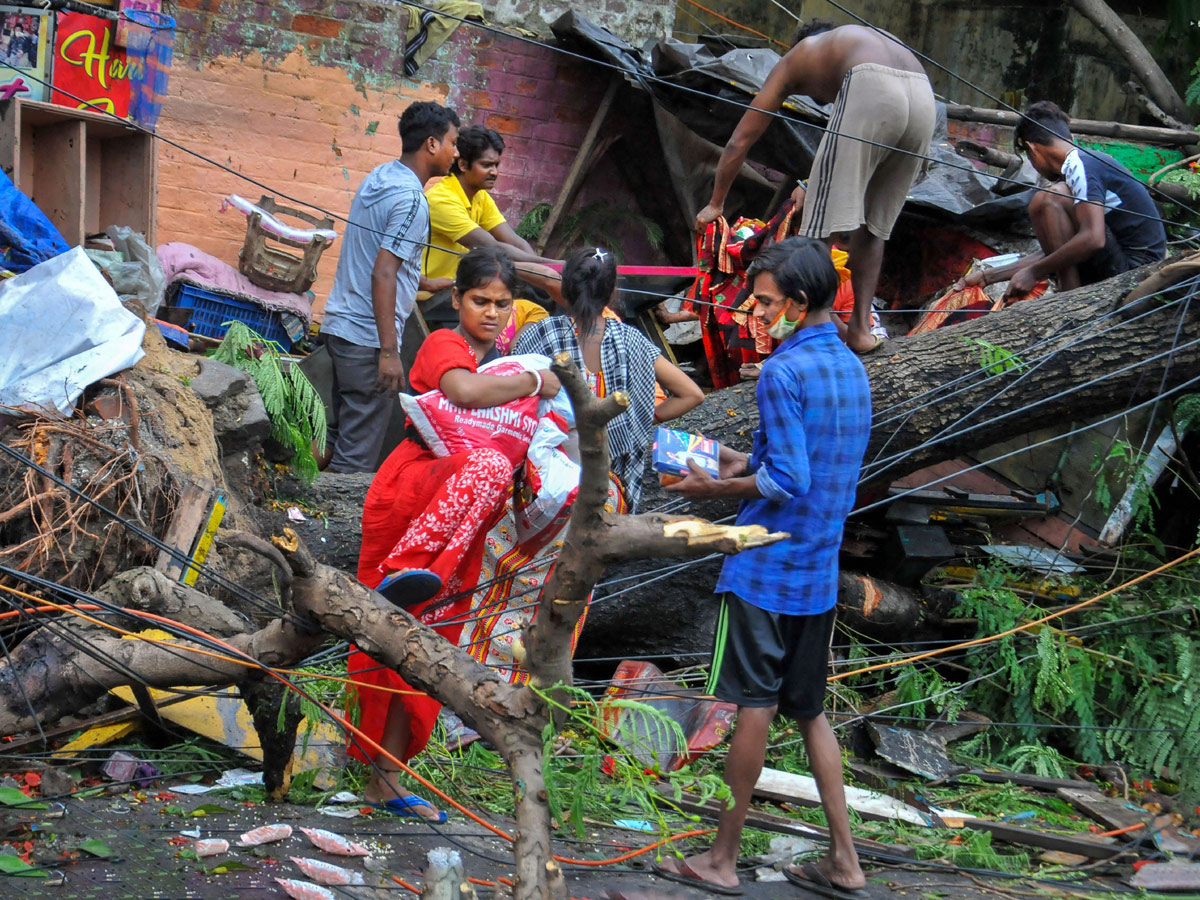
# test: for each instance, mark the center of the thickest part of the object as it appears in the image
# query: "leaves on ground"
(13, 797)
(96, 848)
(11, 865)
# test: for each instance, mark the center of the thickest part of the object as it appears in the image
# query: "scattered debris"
(326, 873)
(266, 834)
(916, 751)
(1172, 876)
(788, 787)
(334, 843)
(211, 847)
(1121, 817)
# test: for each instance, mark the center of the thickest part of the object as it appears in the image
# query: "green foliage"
(1120, 466)
(994, 359)
(1186, 413)
(634, 777)
(1191, 95)
(600, 224)
(923, 694)
(973, 851)
(1186, 176)
(1127, 695)
(1038, 759)
(530, 227)
(296, 411)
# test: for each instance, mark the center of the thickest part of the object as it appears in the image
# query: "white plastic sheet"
(62, 328)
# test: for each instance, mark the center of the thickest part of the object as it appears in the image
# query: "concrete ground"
(142, 831)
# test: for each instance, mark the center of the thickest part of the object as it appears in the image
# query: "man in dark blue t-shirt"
(1095, 221)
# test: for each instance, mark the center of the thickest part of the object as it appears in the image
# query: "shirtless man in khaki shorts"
(881, 95)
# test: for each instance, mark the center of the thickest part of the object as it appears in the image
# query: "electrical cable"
(929, 654)
(1050, 440)
(641, 77)
(245, 659)
(875, 469)
(176, 554)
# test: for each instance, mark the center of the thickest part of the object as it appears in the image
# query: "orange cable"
(736, 24)
(40, 609)
(995, 637)
(404, 884)
(75, 609)
(1118, 831)
(350, 727)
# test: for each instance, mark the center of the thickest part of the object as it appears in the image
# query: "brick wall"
(304, 96)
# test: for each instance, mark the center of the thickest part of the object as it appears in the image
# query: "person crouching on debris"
(1095, 221)
(425, 517)
(613, 357)
(778, 602)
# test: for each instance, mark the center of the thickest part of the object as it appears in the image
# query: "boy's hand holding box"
(674, 449)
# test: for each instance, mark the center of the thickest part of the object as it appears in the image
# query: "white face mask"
(783, 328)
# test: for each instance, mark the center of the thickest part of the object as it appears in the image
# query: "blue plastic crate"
(212, 309)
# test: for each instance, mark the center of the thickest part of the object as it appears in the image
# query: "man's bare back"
(817, 65)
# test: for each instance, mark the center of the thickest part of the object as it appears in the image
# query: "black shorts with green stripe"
(763, 658)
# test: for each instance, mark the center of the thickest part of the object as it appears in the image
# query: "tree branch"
(653, 535)
(1153, 109)
(1136, 56)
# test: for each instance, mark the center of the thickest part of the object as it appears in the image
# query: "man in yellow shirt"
(463, 215)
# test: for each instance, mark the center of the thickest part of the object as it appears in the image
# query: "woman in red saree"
(428, 514)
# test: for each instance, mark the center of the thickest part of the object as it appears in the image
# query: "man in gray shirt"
(375, 287)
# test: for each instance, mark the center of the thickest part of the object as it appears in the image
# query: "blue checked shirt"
(814, 406)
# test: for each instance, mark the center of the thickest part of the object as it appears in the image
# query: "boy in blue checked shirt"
(777, 606)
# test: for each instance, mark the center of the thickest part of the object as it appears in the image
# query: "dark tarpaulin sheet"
(951, 187)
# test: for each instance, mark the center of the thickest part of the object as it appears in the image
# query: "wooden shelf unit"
(83, 169)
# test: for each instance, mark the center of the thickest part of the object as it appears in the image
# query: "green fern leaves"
(293, 405)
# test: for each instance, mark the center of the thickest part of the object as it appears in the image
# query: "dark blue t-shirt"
(1129, 212)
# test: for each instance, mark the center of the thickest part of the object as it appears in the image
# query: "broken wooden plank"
(968, 723)
(786, 787)
(1062, 858)
(97, 736)
(579, 168)
(222, 716)
(1170, 838)
(181, 536)
(14, 748)
(1091, 847)
(1115, 815)
(1037, 782)
(917, 751)
(1171, 876)
(783, 825)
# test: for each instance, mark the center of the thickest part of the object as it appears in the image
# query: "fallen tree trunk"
(64, 666)
(958, 389)
(934, 400)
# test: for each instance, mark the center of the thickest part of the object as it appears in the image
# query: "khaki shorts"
(865, 182)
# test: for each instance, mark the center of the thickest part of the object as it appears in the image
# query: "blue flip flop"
(410, 587)
(407, 807)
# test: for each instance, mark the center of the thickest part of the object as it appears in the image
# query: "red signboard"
(90, 70)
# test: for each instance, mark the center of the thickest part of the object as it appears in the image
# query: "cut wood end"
(737, 537)
(288, 542)
(621, 398)
(562, 359)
